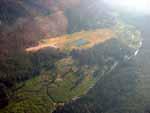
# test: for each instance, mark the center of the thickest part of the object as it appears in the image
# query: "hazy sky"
(140, 6)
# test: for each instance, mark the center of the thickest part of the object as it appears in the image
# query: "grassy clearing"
(65, 42)
(64, 92)
(128, 34)
(33, 97)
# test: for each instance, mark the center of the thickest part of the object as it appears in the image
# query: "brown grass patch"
(64, 42)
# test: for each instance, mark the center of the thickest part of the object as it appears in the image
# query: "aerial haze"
(74, 56)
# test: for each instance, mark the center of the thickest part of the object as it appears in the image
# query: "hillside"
(67, 56)
(69, 67)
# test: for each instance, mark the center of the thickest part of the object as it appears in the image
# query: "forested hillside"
(22, 24)
(68, 56)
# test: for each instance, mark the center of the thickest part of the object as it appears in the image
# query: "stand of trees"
(115, 92)
(100, 54)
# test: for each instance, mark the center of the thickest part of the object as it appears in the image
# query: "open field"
(42, 95)
(127, 34)
(68, 41)
(35, 97)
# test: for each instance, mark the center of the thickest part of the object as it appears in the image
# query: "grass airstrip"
(80, 40)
